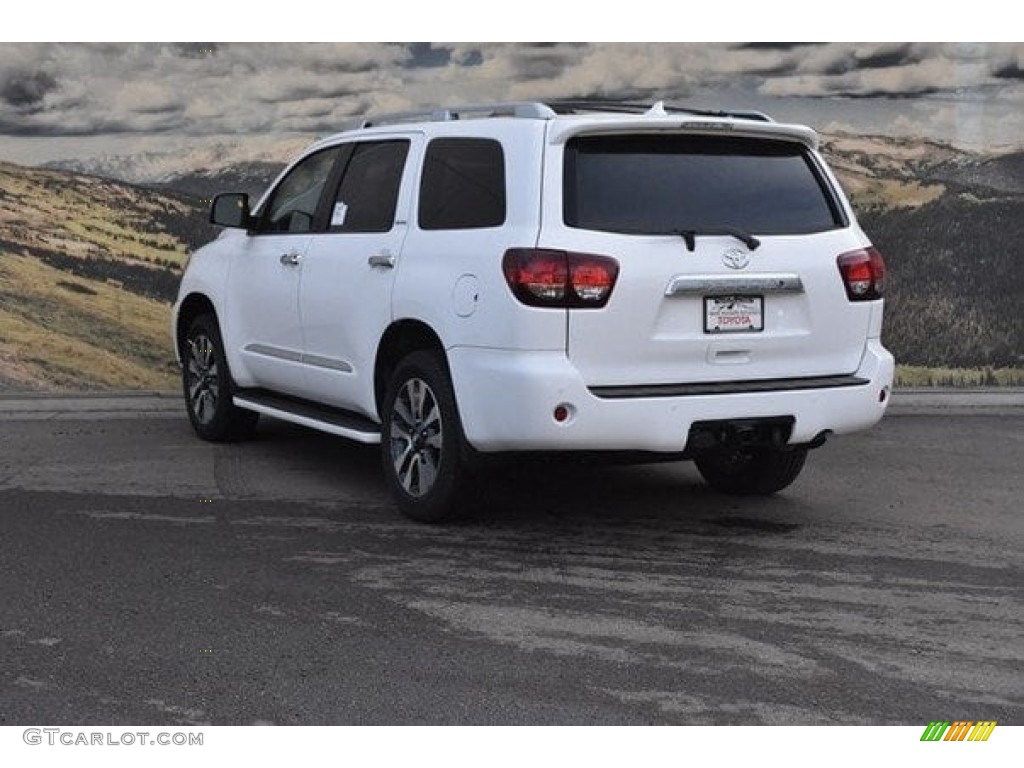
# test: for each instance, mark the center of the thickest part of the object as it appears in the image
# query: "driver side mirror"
(231, 210)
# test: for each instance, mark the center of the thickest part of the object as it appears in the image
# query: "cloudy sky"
(66, 100)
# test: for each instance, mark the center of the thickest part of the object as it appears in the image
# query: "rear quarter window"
(655, 184)
(463, 184)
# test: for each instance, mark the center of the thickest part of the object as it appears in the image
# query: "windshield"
(661, 184)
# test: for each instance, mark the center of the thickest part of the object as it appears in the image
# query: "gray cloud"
(890, 71)
(882, 57)
(1010, 71)
(427, 55)
(25, 90)
(772, 46)
(195, 50)
(889, 94)
(213, 89)
(842, 58)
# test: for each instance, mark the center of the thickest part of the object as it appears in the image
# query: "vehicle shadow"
(552, 490)
(646, 495)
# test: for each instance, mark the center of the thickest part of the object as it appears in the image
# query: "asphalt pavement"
(149, 578)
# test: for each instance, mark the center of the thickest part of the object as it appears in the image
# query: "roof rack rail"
(540, 111)
(577, 106)
(528, 109)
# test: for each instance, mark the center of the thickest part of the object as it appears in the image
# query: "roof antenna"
(656, 110)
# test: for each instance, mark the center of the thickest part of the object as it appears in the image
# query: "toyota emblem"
(736, 258)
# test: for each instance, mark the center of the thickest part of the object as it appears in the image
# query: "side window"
(368, 194)
(293, 203)
(463, 184)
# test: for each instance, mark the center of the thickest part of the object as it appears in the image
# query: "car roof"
(569, 118)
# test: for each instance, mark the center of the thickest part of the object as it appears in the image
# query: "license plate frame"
(733, 313)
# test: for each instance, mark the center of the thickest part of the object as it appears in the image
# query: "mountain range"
(91, 253)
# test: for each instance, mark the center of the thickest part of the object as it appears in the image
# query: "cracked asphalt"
(146, 577)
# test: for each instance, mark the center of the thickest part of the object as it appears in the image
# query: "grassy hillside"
(881, 173)
(88, 268)
(950, 225)
(956, 283)
(58, 331)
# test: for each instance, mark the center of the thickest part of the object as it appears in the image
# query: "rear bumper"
(507, 402)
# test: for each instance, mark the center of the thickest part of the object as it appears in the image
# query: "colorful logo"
(961, 730)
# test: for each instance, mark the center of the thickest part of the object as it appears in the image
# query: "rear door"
(694, 303)
(348, 271)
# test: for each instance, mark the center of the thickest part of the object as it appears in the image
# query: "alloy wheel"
(416, 435)
(203, 378)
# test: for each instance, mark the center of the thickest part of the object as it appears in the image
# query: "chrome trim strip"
(268, 351)
(292, 356)
(327, 362)
(756, 283)
(622, 391)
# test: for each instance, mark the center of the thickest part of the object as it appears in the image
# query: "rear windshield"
(657, 184)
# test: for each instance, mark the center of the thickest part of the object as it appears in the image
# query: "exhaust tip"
(820, 439)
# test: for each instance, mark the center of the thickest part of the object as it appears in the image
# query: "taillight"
(863, 274)
(541, 277)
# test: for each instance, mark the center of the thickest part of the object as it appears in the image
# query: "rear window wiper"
(690, 236)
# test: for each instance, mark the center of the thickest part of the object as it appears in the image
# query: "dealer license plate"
(733, 314)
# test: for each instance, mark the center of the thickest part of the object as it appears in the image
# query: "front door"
(263, 327)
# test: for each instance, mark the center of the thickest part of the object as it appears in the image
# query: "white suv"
(647, 280)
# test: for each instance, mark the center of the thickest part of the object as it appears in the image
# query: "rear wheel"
(751, 472)
(423, 449)
(208, 388)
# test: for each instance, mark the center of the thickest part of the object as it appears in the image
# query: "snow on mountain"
(164, 167)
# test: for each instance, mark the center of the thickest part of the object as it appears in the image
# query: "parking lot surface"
(146, 577)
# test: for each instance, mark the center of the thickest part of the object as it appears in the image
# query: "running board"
(334, 421)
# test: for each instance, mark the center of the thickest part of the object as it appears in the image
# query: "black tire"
(752, 472)
(207, 386)
(423, 451)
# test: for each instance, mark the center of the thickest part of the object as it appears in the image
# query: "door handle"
(291, 259)
(382, 259)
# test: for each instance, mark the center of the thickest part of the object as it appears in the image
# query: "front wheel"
(751, 472)
(422, 447)
(208, 388)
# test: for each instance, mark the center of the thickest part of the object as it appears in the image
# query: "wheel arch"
(400, 339)
(192, 306)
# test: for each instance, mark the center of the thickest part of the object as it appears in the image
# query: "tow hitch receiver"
(733, 434)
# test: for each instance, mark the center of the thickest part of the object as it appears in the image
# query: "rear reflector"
(863, 274)
(541, 277)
